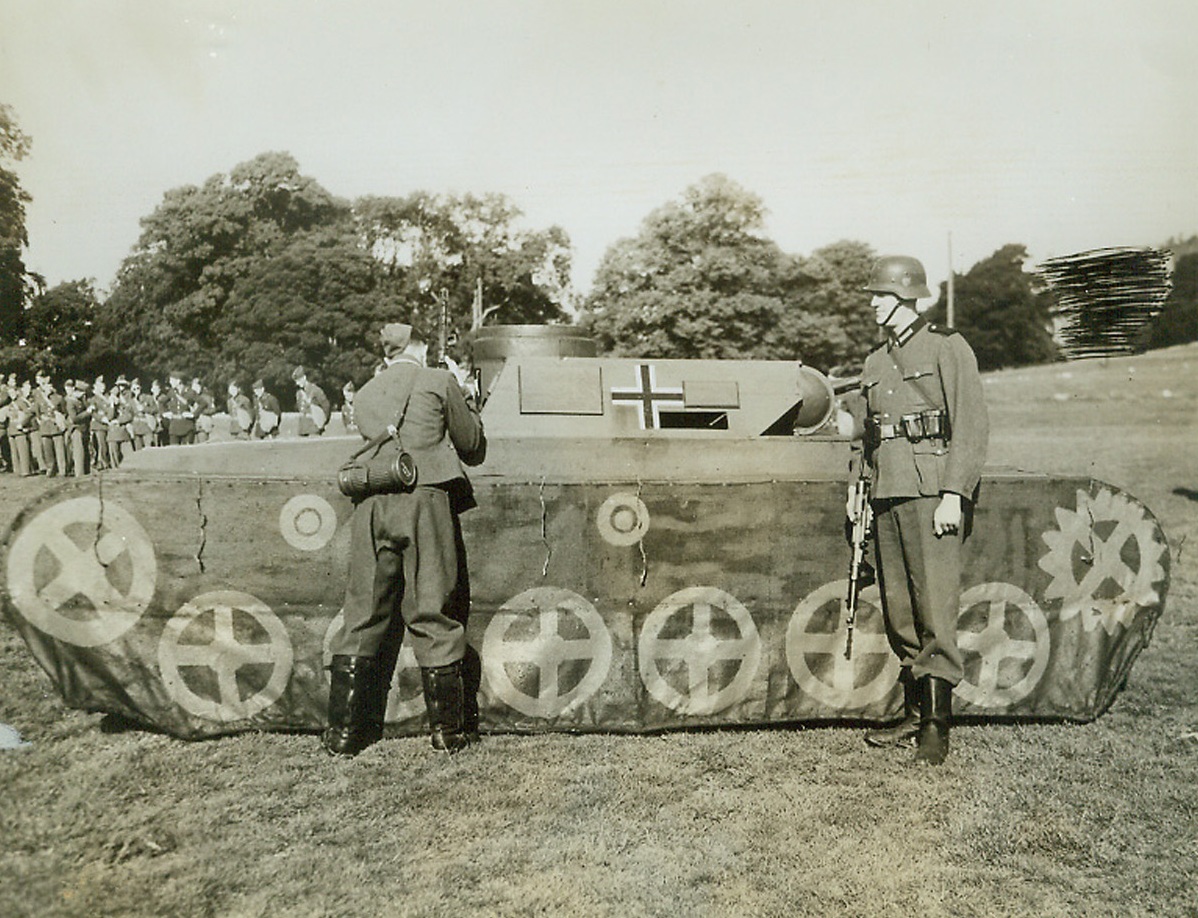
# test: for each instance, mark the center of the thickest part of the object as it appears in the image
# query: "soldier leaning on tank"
(924, 446)
(311, 403)
(411, 543)
(267, 413)
(79, 414)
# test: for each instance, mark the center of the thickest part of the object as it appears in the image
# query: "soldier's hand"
(948, 515)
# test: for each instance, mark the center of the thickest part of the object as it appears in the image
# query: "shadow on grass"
(1188, 493)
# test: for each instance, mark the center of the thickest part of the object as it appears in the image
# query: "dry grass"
(1035, 820)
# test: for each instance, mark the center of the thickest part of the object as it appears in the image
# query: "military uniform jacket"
(306, 398)
(441, 429)
(178, 407)
(926, 368)
(50, 417)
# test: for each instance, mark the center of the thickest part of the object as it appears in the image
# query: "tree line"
(261, 268)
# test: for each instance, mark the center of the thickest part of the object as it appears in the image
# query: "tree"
(58, 327)
(1002, 310)
(702, 280)
(262, 269)
(836, 275)
(168, 303)
(1178, 320)
(16, 283)
(452, 248)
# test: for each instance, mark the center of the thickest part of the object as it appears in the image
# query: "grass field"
(1037, 820)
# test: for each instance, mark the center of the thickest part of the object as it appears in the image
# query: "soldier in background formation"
(82, 426)
(311, 403)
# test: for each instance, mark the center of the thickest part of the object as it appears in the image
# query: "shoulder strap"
(392, 430)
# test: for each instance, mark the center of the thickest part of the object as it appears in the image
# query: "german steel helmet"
(901, 275)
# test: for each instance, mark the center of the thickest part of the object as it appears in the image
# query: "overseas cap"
(297, 373)
(395, 337)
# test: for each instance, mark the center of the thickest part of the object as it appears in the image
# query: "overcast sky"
(1061, 125)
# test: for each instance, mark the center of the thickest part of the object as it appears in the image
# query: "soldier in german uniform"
(51, 426)
(79, 415)
(20, 424)
(7, 391)
(267, 414)
(101, 414)
(120, 425)
(241, 412)
(205, 410)
(145, 415)
(348, 391)
(924, 445)
(178, 409)
(410, 543)
(311, 403)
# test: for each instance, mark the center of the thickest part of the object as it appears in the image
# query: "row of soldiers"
(87, 427)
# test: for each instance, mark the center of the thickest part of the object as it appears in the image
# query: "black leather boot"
(472, 674)
(444, 696)
(353, 694)
(935, 709)
(904, 732)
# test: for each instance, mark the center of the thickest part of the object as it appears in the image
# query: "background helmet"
(901, 275)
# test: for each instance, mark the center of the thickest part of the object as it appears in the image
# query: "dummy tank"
(659, 544)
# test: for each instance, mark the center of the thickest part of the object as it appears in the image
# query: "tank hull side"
(203, 605)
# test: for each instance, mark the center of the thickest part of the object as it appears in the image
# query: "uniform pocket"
(930, 461)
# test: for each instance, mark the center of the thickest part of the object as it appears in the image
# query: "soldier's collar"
(904, 335)
(403, 358)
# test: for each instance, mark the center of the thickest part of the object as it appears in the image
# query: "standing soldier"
(79, 414)
(347, 407)
(178, 410)
(120, 425)
(409, 543)
(241, 413)
(144, 408)
(20, 424)
(205, 409)
(159, 436)
(311, 403)
(51, 426)
(266, 412)
(7, 393)
(924, 446)
(101, 406)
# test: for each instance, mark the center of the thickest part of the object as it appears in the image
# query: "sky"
(920, 128)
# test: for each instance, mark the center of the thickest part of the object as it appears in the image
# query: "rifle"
(861, 574)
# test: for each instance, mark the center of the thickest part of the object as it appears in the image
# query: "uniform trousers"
(920, 578)
(79, 457)
(54, 453)
(407, 567)
(18, 447)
